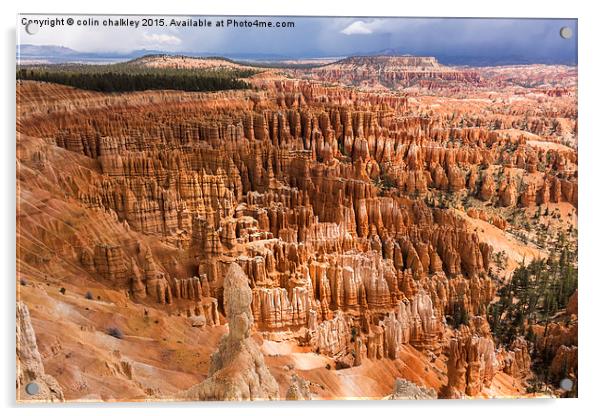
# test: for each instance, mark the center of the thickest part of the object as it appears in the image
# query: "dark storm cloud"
(529, 40)
(451, 40)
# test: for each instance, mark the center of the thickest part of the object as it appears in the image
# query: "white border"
(590, 200)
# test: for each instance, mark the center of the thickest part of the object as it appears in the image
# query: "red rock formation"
(516, 361)
(238, 371)
(333, 337)
(472, 363)
(508, 194)
(564, 364)
(335, 202)
(30, 368)
(109, 262)
(573, 304)
(393, 71)
(412, 323)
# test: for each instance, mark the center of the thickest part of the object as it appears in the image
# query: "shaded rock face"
(238, 371)
(565, 363)
(573, 305)
(30, 368)
(559, 340)
(515, 360)
(406, 390)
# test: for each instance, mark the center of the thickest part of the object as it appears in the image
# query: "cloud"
(161, 39)
(358, 28)
(508, 40)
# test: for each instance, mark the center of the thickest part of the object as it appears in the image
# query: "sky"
(529, 40)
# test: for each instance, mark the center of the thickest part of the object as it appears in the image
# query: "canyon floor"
(369, 228)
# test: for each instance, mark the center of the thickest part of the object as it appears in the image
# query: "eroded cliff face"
(395, 72)
(341, 210)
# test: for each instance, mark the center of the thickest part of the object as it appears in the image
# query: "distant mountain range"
(480, 60)
(61, 54)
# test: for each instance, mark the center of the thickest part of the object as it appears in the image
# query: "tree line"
(536, 295)
(120, 78)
